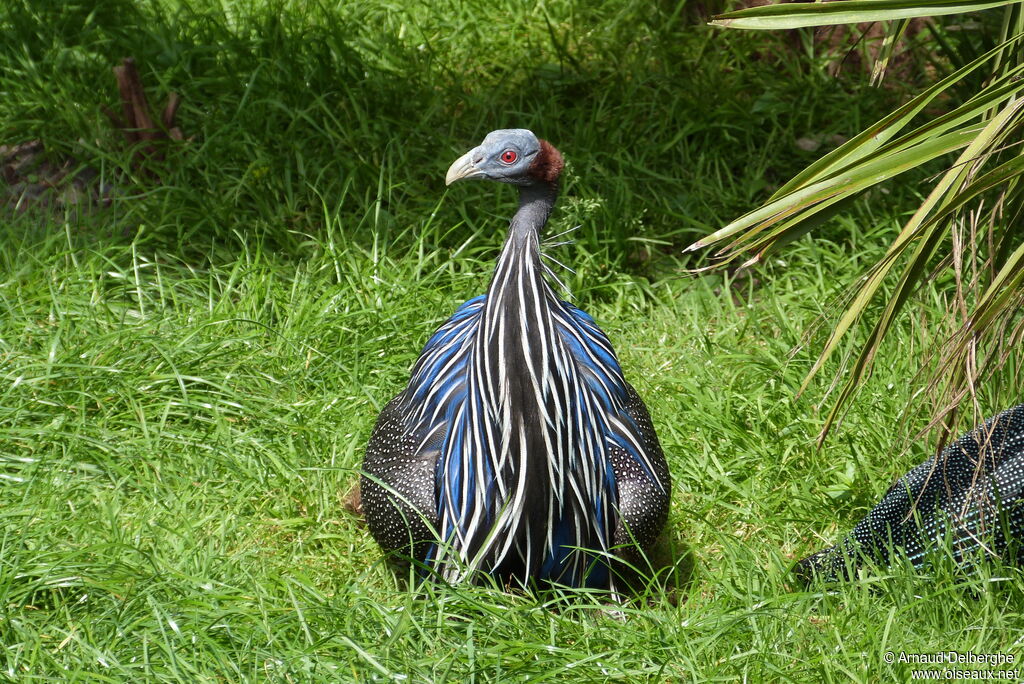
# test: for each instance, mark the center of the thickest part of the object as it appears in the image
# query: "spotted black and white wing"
(971, 497)
(643, 494)
(397, 486)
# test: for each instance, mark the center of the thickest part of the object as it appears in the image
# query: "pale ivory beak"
(463, 168)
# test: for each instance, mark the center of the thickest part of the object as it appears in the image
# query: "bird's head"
(513, 155)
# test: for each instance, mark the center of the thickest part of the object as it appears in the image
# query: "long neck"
(535, 204)
(519, 262)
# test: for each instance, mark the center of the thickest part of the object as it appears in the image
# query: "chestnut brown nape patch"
(547, 165)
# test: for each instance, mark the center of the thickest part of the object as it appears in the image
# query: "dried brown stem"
(137, 122)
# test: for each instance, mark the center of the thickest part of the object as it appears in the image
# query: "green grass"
(188, 378)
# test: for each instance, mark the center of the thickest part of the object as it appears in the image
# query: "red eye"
(509, 156)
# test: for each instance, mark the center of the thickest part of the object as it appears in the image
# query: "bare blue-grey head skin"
(518, 449)
(490, 159)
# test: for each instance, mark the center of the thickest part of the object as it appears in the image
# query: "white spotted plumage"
(969, 499)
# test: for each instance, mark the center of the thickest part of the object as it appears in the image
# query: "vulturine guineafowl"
(518, 449)
(970, 496)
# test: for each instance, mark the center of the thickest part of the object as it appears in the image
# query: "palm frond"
(984, 131)
(803, 14)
